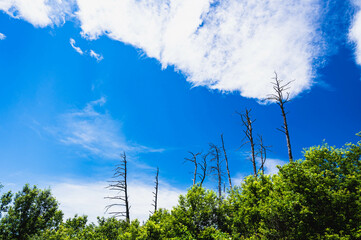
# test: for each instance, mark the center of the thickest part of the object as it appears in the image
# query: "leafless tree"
(217, 169)
(281, 97)
(193, 159)
(262, 152)
(247, 122)
(155, 193)
(203, 166)
(226, 159)
(121, 187)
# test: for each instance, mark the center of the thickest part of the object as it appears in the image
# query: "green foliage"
(5, 200)
(318, 197)
(33, 210)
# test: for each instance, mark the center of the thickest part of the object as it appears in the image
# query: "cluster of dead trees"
(215, 159)
(217, 155)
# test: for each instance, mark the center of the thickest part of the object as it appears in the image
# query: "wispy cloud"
(78, 49)
(2, 36)
(95, 55)
(355, 31)
(91, 53)
(88, 198)
(95, 132)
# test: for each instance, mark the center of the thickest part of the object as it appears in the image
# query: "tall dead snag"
(217, 169)
(194, 161)
(226, 159)
(155, 193)
(203, 166)
(247, 123)
(121, 186)
(281, 97)
(262, 153)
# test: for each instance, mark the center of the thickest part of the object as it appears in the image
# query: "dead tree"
(226, 159)
(194, 161)
(262, 153)
(217, 169)
(203, 166)
(155, 193)
(247, 122)
(281, 97)
(120, 185)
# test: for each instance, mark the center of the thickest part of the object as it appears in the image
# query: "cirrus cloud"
(355, 31)
(94, 132)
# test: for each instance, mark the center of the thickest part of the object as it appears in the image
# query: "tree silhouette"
(194, 161)
(204, 169)
(281, 97)
(120, 185)
(226, 159)
(247, 122)
(217, 168)
(155, 193)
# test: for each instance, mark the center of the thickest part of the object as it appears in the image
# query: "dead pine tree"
(155, 193)
(262, 150)
(226, 159)
(217, 168)
(120, 185)
(247, 122)
(281, 97)
(193, 160)
(203, 166)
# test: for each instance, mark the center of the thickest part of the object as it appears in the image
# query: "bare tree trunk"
(194, 161)
(155, 201)
(226, 159)
(281, 97)
(127, 207)
(217, 168)
(203, 167)
(262, 153)
(247, 122)
(285, 127)
(120, 186)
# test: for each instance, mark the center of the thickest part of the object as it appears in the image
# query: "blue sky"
(82, 81)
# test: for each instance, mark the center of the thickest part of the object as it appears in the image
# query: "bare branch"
(247, 123)
(262, 152)
(281, 89)
(215, 152)
(121, 187)
(155, 193)
(203, 166)
(194, 161)
(226, 159)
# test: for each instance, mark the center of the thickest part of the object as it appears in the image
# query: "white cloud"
(40, 13)
(238, 179)
(270, 166)
(78, 49)
(233, 45)
(95, 55)
(95, 132)
(2, 36)
(88, 198)
(91, 53)
(355, 31)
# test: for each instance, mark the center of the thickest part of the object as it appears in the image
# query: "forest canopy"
(317, 197)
